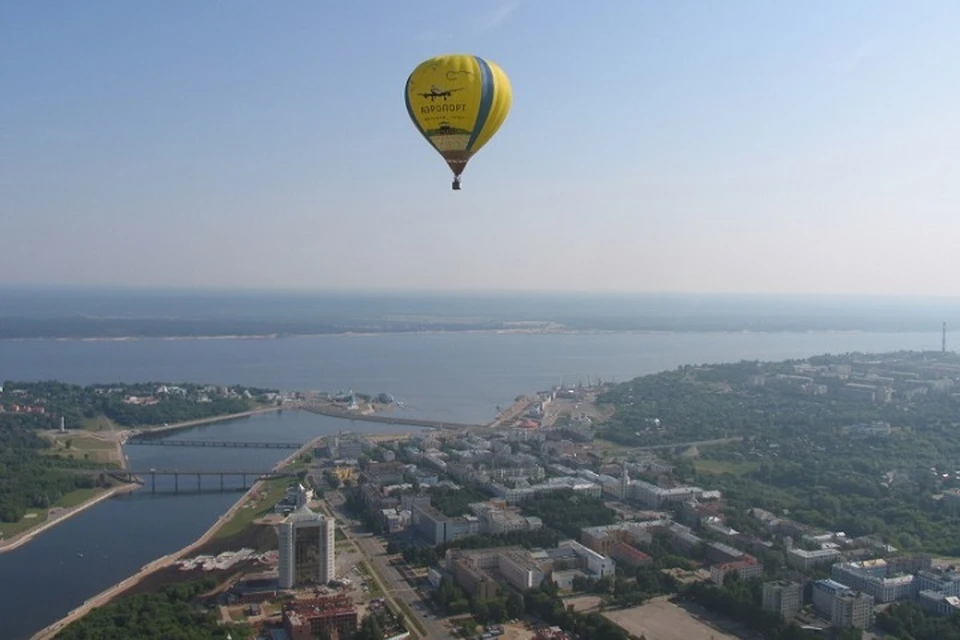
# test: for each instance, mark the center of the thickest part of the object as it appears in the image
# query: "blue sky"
(692, 146)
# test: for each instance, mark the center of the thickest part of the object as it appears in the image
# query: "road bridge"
(248, 477)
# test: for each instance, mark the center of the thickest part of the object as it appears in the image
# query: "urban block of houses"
(841, 605)
(481, 572)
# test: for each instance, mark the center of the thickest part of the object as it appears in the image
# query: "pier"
(229, 444)
(138, 476)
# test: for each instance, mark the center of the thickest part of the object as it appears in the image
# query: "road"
(395, 587)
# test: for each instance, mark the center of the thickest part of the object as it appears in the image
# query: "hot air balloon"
(458, 102)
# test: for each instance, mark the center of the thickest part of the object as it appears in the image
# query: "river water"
(443, 376)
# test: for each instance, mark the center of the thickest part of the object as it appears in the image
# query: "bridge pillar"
(176, 483)
(198, 483)
(153, 482)
(221, 482)
(244, 480)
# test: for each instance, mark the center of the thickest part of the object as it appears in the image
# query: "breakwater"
(385, 419)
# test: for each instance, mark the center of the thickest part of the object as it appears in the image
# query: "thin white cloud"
(863, 51)
(495, 17)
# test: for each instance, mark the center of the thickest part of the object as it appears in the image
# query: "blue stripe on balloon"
(486, 99)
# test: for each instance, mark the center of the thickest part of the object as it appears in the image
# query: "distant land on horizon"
(88, 313)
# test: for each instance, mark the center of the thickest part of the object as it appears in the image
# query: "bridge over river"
(247, 476)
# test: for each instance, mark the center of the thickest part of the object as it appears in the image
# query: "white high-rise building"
(306, 546)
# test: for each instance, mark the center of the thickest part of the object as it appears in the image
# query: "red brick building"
(306, 619)
(628, 555)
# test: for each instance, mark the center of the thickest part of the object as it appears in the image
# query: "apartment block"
(783, 598)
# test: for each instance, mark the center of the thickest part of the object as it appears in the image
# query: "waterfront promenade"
(106, 596)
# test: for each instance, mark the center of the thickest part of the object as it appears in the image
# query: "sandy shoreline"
(104, 597)
(501, 331)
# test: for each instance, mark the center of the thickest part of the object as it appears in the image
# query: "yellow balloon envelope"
(458, 103)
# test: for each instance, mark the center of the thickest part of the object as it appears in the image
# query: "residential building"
(719, 553)
(481, 571)
(653, 497)
(943, 582)
(803, 559)
(841, 605)
(308, 619)
(306, 549)
(629, 556)
(471, 569)
(596, 563)
(601, 539)
(938, 603)
(852, 609)
(783, 598)
(520, 570)
(438, 528)
(871, 577)
(681, 536)
(748, 567)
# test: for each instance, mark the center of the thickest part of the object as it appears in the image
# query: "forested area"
(567, 511)
(798, 451)
(41, 404)
(543, 602)
(546, 604)
(453, 503)
(170, 614)
(739, 600)
(906, 621)
(32, 480)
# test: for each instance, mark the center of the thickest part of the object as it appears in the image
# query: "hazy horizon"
(698, 148)
(188, 290)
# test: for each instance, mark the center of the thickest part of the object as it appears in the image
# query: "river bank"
(59, 516)
(166, 561)
(126, 434)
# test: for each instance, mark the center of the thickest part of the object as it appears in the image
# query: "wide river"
(442, 376)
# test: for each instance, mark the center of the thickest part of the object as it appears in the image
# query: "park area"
(660, 619)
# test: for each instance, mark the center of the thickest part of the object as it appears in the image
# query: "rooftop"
(304, 515)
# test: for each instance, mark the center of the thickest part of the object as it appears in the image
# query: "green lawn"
(77, 497)
(274, 490)
(72, 499)
(721, 466)
(83, 447)
(367, 571)
(10, 529)
(411, 619)
(100, 423)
